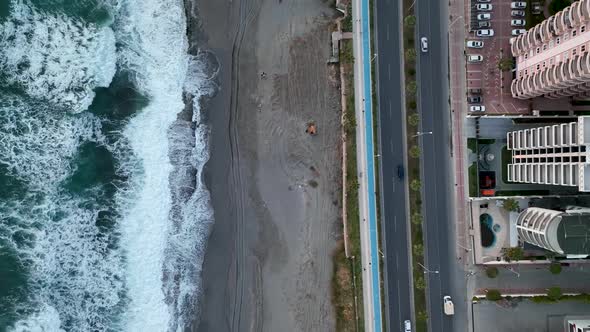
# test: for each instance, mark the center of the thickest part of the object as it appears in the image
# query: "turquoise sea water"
(94, 235)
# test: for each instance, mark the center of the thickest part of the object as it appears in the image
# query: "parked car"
(484, 16)
(474, 91)
(477, 108)
(484, 24)
(517, 23)
(407, 326)
(474, 99)
(474, 58)
(424, 44)
(475, 44)
(485, 33)
(516, 32)
(517, 13)
(518, 5)
(484, 7)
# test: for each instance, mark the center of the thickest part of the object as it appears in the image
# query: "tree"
(415, 185)
(558, 5)
(410, 21)
(415, 151)
(493, 295)
(412, 104)
(411, 54)
(492, 272)
(414, 119)
(554, 293)
(510, 204)
(417, 218)
(419, 283)
(513, 254)
(411, 87)
(418, 249)
(506, 64)
(555, 268)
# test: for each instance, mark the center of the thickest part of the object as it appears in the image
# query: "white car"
(474, 44)
(484, 16)
(517, 13)
(485, 33)
(424, 44)
(474, 58)
(407, 326)
(518, 5)
(477, 108)
(483, 0)
(517, 23)
(483, 7)
(516, 32)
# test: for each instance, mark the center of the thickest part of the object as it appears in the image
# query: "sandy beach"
(275, 189)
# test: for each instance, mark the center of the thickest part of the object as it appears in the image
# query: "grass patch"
(506, 159)
(473, 185)
(486, 141)
(472, 144)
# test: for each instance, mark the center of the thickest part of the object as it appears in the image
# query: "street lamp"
(512, 270)
(374, 56)
(421, 133)
(426, 270)
(467, 249)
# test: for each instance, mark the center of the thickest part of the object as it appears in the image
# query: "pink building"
(552, 58)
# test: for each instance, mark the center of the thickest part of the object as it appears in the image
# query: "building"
(552, 58)
(552, 155)
(565, 233)
(580, 324)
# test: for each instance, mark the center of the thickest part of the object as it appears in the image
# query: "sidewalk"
(366, 167)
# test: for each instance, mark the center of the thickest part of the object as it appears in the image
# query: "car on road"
(485, 33)
(400, 172)
(448, 306)
(477, 108)
(483, 0)
(518, 5)
(474, 99)
(516, 32)
(483, 7)
(517, 23)
(407, 326)
(474, 91)
(484, 24)
(484, 16)
(474, 58)
(517, 13)
(424, 44)
(475, 44)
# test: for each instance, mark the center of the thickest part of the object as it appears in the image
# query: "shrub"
(412, 104)
(419, 283)
(513, 254)
(415, 151)
(506, 64)
(417, 218)
(410, 21)
(510, 204)
(422, 315)
(493, 295)
(554, 293)
(411, 54)
(414, 119)
(555, 268)
(415, 185)
(492, 272)
(412, 72)
(411, 88)
(418, 249)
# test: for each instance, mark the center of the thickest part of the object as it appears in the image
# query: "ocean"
(104, 214)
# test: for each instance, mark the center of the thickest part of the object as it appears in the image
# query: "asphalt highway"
(391, 135)
(437, 186)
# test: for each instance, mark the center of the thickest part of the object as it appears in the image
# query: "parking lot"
(486, 75)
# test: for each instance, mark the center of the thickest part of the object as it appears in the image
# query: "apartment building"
(552, 58)
(563, 232)
(578, 324)
(556, 154)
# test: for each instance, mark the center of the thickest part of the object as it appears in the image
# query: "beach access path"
(275, 189)
(366, 166)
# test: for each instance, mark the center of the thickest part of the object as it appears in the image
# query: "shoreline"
(275, 192)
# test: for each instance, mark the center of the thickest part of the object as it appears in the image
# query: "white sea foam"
(54, 57)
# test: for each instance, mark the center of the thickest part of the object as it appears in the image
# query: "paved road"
(391, 135)
(437, 188)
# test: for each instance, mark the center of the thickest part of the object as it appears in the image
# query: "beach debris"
(311, 129)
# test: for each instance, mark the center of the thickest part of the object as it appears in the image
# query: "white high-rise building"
(581, 324)
(553, 155)
(566, 233)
